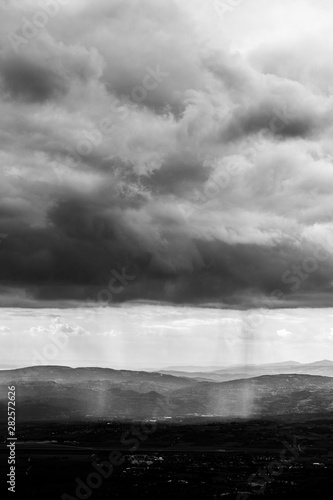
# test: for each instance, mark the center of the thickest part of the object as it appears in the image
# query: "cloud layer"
(153, 150)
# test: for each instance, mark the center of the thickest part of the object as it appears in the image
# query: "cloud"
(198, 158)
(57, 327)
(4, 330)
(284, 333)
(110, 333)
(29, 81)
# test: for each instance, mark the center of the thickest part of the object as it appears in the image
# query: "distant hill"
(62, 393)
(203, 369)
(324, 368)
(190, 368)
(323, 362)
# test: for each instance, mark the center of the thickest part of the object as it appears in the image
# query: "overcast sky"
(182, 143)
(137, 336)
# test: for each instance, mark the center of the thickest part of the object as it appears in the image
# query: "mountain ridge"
(53, 392)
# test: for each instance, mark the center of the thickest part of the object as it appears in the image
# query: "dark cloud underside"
(136, 138)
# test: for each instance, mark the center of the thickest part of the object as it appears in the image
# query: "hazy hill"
(65, 374)
(324, 368)
(53, 393)
(202, 369)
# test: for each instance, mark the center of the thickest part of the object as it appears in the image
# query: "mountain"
(190, 369)
(323, 362)
(202, 369)
(136, 380)
(62, 393)
(324, 368)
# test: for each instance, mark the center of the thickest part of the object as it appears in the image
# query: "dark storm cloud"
(134, 137)
(178, 174)
(269, 117)
(30, 81)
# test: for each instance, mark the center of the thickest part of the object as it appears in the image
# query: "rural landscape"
(166, 249)
(189, 435)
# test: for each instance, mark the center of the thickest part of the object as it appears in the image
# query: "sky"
(151, 336)
(187, 144)
(166, 153)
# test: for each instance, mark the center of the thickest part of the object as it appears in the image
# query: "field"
(197, 459)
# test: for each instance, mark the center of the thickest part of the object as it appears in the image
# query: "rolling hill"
(323, 367)
(62, 393)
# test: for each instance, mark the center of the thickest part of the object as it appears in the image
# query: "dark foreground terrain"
(192, 459)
